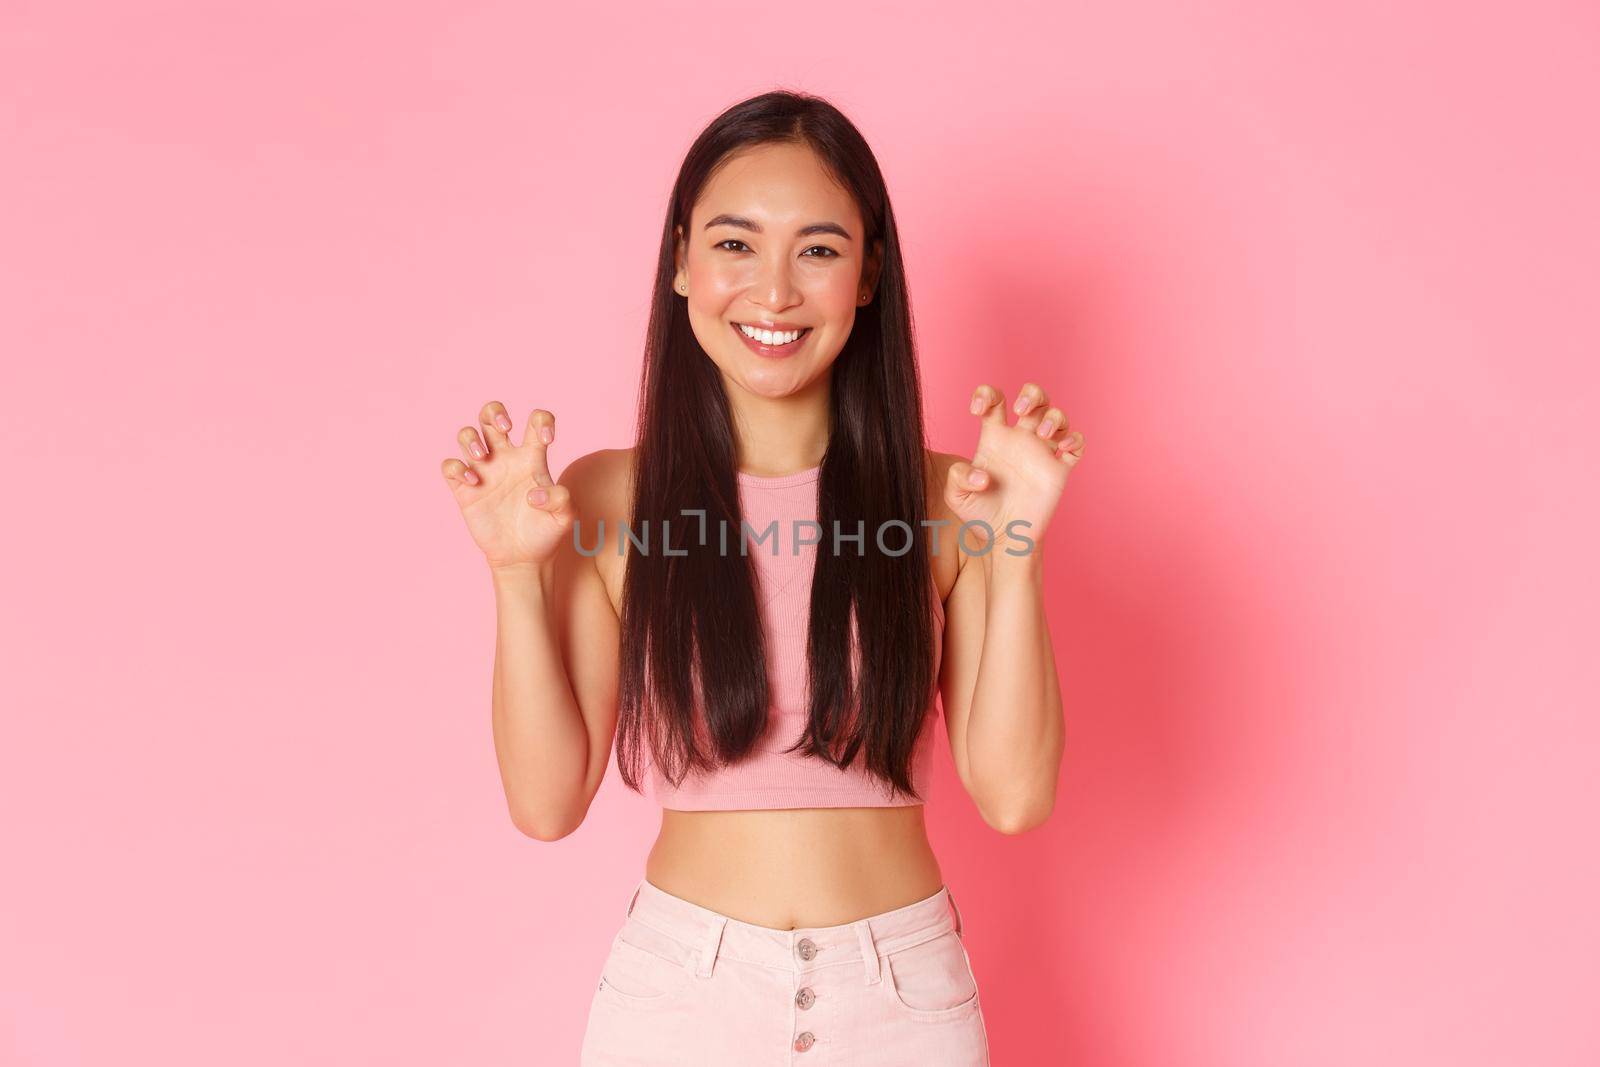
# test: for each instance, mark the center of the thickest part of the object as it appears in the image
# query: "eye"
(828, 252)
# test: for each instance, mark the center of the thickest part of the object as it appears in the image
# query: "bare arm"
(553, 690)
(1002, 697)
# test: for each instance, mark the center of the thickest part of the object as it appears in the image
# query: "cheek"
(722, 276)
(835, 293)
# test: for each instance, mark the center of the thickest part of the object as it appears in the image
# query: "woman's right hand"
(515, 511)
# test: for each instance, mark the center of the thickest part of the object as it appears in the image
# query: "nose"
(773, 285)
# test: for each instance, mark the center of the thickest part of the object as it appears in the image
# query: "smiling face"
(774, 247)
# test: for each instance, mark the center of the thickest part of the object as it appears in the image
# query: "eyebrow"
(746, 224)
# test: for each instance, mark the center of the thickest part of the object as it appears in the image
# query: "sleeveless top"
(769, 777)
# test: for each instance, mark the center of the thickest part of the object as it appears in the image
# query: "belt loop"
(711, 943)
(951, 897)
(869, 951)
(635, 897)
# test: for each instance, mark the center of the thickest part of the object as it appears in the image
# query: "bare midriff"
(796, 867)
(786, 868)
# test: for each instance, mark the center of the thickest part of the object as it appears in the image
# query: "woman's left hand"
(1020, 470)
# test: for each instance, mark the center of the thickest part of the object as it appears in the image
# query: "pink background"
(1319, 287)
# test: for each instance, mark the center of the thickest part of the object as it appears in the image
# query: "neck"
(779, 435)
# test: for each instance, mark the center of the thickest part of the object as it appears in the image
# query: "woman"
(773, 683)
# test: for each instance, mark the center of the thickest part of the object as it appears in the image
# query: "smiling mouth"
(772, 346)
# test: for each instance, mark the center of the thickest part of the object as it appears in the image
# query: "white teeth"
(769, 337)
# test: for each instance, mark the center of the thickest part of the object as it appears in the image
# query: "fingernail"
(1047, 427)
(539, 496)
(1021, 403)
(503, 422)
(976, 477)
(476, 449)
(547, 434)
(977, 404)
(470, 476)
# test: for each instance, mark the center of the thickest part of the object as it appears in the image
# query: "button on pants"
(683, 984)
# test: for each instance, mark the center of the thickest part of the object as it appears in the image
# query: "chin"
(773, 386)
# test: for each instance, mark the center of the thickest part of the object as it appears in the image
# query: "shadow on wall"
(1072, 927)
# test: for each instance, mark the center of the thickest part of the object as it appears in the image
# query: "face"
(774, 243)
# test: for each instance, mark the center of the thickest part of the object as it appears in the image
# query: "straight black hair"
(691, 629)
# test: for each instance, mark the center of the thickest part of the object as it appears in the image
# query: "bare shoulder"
(949, 560)
(941, 462)
(939, 475)
(598, 480)
(601, 484)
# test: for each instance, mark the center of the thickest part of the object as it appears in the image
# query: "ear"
(873, 265)
(679, 266)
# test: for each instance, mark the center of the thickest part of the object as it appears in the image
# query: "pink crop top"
(770, 777)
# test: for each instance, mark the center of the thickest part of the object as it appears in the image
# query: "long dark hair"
(691, 629)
